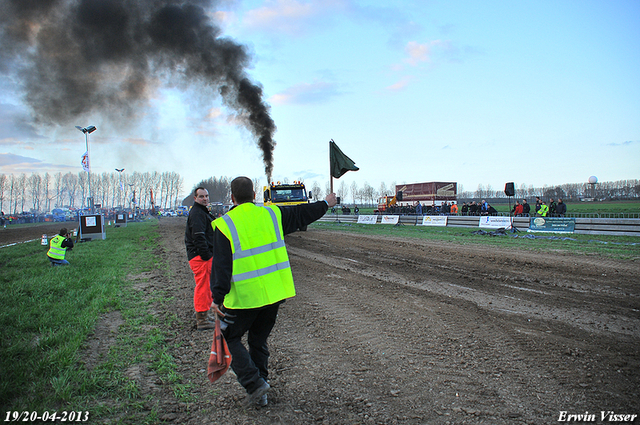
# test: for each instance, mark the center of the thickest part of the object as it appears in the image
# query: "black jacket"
(198, 237)
(293, 218)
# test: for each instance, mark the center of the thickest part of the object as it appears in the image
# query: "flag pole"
(330, 175)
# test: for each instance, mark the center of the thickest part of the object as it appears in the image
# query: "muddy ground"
(394, 331)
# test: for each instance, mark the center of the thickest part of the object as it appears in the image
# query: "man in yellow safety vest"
(58, 246)
(251, 277)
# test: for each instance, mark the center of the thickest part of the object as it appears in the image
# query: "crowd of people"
(482, 208)
(542, 209)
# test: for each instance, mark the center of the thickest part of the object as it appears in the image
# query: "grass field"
(49, 313)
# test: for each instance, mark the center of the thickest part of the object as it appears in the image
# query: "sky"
(534, 92)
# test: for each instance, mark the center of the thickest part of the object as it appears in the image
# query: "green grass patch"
(49, 313)
(622, 247)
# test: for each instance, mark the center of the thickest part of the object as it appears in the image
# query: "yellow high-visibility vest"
(56, 251)
(261, 271)
(544, 210)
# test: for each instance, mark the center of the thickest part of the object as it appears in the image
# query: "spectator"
(526, 208)
(454, 208)
(3, 221)
(552, 208)
(491, 210)
(561, 208)
(543, 211)
(465, 209)
(538, 204)
(419, 208)
(517, 209)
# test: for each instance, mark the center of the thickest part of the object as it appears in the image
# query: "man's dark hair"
(63, 231)
(195, 192)
(242, 189)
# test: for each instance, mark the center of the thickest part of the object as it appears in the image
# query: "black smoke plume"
(74, 57)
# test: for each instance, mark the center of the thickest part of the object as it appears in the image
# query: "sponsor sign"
(434, 220)
(552, 224)
(367, 219)
(390, 219)
(90, 221)
(495, 222)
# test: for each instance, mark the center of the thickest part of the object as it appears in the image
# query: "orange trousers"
(202, 298)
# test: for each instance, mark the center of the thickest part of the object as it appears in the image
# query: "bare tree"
(354, 191)
(342, 190)
(34, 182)
(368, 193)
(13, 189)
(70, 184)
(383, 190)
(83, 183)
(3, 185)
(22, 184)
(316, 190)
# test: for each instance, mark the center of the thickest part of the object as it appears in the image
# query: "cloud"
(306, 93)
(625, 143)
(400, 85)
(7, 159)
(420, 52)
(15, 123)
(306, 175)
(287, 16)
(17, 164)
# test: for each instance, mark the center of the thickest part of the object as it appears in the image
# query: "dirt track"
(388, 331)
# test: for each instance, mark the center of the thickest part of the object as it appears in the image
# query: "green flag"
(340, 163)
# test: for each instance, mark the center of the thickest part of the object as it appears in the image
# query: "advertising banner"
(390, 219)
(434, 220)
(552, 224)
(367, 219)
(495, 222)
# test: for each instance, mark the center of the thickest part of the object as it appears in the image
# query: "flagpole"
(330, 175)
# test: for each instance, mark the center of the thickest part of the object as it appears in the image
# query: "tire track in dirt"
(421, 350)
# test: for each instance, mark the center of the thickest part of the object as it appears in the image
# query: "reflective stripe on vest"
(56, 251)
(261, 270)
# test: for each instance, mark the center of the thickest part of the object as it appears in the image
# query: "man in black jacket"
(252, 277)
(561, 208)
(198, 239)
(526, 208)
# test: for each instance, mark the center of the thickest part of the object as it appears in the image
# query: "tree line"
(38, 193)
(220, 191)
(573, 192)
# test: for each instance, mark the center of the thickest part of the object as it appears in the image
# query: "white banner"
(85, 162)
(390, 219)
(434, 220)
(367, 219)
(495, 222)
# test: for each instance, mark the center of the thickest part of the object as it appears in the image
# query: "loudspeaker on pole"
(509, 189)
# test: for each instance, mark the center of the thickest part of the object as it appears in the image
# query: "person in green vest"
(251, 277)
(544, 209)
(58, 247)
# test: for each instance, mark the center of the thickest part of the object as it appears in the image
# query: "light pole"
(120, 170)
(87, 131)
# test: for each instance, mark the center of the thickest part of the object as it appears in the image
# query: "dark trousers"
(250, 366)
